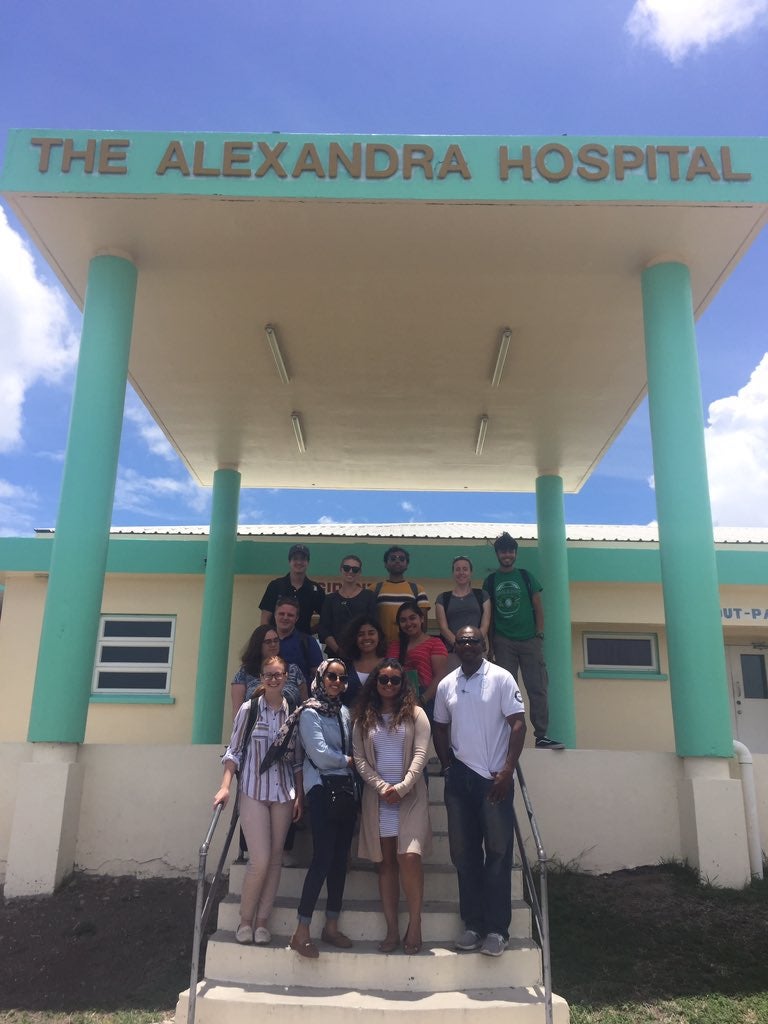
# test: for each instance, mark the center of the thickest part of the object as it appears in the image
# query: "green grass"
(655, 945)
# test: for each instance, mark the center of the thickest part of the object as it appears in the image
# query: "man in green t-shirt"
(517, 633)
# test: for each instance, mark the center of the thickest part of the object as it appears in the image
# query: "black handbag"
(341, 798)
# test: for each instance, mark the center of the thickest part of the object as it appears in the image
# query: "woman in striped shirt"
(390, 740)
(269, 799)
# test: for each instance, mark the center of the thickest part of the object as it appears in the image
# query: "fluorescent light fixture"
(482, 431)
(501, 358)
(277, 355)
(298, 432)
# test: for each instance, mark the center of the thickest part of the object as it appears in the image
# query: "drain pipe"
(750, 808)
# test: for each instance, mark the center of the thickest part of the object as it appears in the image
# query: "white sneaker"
(262, 936)
(244, 934)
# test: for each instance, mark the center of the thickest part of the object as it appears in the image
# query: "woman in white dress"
(389, 740)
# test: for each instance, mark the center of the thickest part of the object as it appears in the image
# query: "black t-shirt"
(310, 596)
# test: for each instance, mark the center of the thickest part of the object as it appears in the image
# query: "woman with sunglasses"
(363, 645)
(390, 739)
(270, 796)
(420, 653)
(263, 643)
(325, 733)
(352, 599)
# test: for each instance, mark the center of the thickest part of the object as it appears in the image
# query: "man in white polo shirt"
(479, 729)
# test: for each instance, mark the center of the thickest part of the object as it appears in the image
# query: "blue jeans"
(330, 850)
(481, 837)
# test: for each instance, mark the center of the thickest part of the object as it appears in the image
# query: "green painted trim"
(79, 551)
(553, 561)
(132, 163)
(132, 698)
(597, 674)
(696, 659)
(213, 652)
(267, 556)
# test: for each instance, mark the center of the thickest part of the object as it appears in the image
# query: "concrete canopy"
(389, 299)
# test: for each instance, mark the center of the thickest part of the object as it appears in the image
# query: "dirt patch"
(98, 943)
(118, 944)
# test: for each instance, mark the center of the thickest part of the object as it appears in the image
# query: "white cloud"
(737, 453)
(148, 430)
(677, 27)
(407, 506)
(326, 520)
(37, 342)
(248, 513)
(16, 504)
(147, 495)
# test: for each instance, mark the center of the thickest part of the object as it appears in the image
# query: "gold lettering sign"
(550, 162)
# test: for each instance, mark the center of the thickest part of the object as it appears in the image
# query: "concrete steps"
(238, 1004)
(274, 984)
(438, 968)
(362, 919)
(362, 883)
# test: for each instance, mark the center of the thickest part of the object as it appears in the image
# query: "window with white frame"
(621, 652)
(134, 654)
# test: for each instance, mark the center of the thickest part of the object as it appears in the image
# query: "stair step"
(232, 1004)
(437, 968)
(362, 881)
(362, 919)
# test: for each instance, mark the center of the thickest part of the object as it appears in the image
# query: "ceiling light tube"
(277, 355)
(482, 431)
(298, 432)
(501, 358)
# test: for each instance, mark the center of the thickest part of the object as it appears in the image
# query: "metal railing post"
(203, 909)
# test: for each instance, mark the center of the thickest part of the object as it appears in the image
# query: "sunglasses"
(350, 568)
(390, 680)
(467, 641)
(334, 677)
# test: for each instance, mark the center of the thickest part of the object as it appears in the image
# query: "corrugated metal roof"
(443, 531)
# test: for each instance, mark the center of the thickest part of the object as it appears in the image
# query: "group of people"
(382, 689)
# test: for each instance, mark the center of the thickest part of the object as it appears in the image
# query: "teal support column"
(689, 576)
(217, 609)
(79, 554)
(553, 562)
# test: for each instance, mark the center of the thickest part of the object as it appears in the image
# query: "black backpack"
(447, 595)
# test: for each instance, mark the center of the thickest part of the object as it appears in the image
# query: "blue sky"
(659, 67)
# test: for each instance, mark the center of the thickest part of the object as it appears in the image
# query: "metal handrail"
(203, 909)
(539, 907)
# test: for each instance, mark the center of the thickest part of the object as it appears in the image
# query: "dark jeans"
(480, 835)
(330, 850)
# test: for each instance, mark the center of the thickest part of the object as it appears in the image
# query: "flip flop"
(389, 945)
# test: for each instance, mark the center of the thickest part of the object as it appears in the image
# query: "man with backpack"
(391, 592)
(296, 647)
(517, 633)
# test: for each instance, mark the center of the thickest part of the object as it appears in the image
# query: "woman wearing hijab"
(323, 725)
